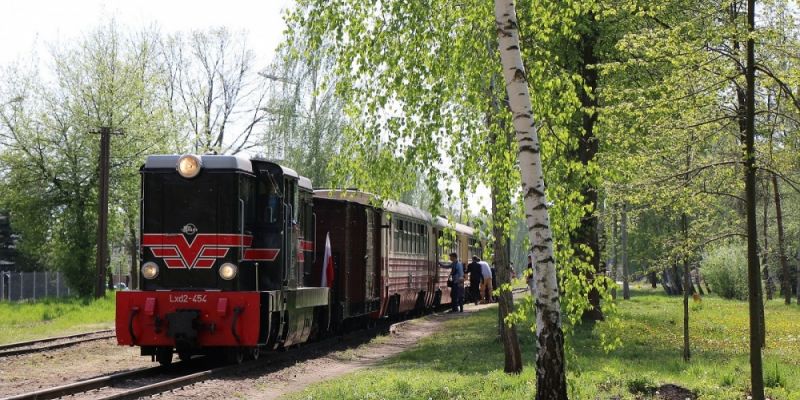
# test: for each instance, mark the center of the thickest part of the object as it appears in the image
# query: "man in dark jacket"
(457, 277)
(475, 278)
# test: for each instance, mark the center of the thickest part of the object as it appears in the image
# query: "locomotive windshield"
(184, 221)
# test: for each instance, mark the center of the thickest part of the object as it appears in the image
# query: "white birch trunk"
(551, 380)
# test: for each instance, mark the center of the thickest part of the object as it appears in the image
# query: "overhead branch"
(785, 89)
(692, 172)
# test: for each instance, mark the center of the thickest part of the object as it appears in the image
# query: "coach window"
(420, 239)
(400, 238)
(409, 238)
(406, 237)
(412, 232)
(396, 235)
(423, 234)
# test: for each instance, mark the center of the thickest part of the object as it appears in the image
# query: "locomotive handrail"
(241, 230)
(314, 238)
(134, 311)
(237, 311)
(287, 242)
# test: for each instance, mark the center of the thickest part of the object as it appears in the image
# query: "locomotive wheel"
(164, 356)
(235, 355)
(184, 355)
(255, 352)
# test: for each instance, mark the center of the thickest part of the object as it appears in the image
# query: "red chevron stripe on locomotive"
(203, 250)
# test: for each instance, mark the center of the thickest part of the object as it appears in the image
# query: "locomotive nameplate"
(186, 299)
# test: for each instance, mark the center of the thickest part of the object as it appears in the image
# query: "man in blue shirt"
(457, 277)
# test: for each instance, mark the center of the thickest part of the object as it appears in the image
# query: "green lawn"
(54, 317)
(465, 360)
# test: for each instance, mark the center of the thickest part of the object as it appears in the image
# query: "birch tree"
(551, 380)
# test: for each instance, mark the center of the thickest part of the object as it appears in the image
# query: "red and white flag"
(327, 264)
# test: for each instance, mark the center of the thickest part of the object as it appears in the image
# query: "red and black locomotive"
(232, 259)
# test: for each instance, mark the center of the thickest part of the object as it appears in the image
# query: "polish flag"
(327, 264)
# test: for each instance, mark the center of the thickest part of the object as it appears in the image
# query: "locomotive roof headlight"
(150, 270)
(228, 271)
(189, 165)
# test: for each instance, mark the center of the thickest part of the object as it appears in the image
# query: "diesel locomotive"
(232, 257)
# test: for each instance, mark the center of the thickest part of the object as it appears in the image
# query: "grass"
(54, 317)
(464, 361)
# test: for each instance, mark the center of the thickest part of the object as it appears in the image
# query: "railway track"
(35, 346)
(148, 381)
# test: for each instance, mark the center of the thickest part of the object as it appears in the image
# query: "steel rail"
(25, 349)
(169, 384)
(267, 359)
(185, 380)
(52, 339)
(86, 385)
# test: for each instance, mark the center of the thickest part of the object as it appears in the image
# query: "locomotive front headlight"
(189, 165)
(227, 271)
(150, 270)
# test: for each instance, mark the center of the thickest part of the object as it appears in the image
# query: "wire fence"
(16, 286)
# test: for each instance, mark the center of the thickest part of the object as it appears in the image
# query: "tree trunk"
(502, 246)
(626, 291)
(666, 282)
(551, 379)
(511, 349)
(765, 252)
(753, 271)
(687, 354)
(586, 241)
(614, 255)
(653, 278)
(697, 281)
(786, 286)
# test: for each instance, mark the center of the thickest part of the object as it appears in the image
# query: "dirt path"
(291, 378)
(25, 373)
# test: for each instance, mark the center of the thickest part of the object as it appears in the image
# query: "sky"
(26, 25)
(35, 25)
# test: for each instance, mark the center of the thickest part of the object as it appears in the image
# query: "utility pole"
(102, 211)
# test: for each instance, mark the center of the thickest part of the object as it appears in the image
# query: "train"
(241, 255)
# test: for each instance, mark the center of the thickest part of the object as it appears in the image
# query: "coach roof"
(369, 199)
(441, 223)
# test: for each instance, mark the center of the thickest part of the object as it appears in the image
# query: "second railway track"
(39, 345)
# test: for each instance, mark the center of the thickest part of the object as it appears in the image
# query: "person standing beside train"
(487, 283)
(457, 288)
(475, 279)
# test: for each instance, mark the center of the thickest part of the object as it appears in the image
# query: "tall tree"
(50, 153)
(305, 116)
(551, 381)
(753, 271)
(216, 97)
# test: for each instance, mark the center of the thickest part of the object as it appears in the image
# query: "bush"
(725, 270)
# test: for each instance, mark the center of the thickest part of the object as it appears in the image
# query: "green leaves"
(49, 150)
